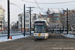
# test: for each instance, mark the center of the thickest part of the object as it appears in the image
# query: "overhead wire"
(16, 5)
(51, 3)
(38, 5)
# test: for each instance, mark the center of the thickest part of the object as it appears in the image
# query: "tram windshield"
(39, 29)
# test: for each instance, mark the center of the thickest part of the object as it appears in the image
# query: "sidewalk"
(13, 34)
(69, 35)
(4, 39)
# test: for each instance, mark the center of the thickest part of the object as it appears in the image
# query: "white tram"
(41, 29)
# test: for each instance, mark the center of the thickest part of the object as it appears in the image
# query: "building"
(44, 16)
(21, 21)
(55, 16)
(34, 17)
(69, 12)
(2, 15)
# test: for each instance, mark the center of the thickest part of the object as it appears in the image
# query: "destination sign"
(39, 23)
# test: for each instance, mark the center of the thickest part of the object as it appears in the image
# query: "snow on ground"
(10, 34)
(4, 39)
(69, 35)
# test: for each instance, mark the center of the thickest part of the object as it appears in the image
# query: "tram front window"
(39, 29)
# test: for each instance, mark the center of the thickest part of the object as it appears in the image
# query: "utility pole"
(8, 18)
(67, 20)
(24, 20)
(21, 23)
(30, 17)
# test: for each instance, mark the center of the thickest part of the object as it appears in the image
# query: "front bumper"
(39, 37)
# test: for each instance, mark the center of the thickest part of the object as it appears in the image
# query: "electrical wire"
(16, 5)
(37, 5)
(52, 3)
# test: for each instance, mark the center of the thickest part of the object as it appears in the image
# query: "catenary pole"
(67, 20)
(24, 20)
(8, 18)
(30, 17)
(21, 23)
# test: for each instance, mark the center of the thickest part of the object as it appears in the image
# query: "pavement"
(54, 42)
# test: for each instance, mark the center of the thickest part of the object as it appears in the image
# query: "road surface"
(54, 42)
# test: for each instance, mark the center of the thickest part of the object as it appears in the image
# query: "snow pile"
(69, 35)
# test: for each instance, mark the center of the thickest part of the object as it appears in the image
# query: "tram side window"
(46, 28)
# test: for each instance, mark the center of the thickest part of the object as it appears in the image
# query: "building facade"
(34, 17)
(44, 16)
(21, 21)
(2, 18)
(55, 16)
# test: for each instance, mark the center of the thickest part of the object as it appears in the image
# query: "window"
(0, 25)
(57, 15)
(1, 14)
(1, 10)
(27, 20)
(1, 18)
(56, 18)
(20, 25)
(0, 21)
(20, 21)
(26, 25)
(27, 16)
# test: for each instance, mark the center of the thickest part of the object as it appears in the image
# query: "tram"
(41, 29)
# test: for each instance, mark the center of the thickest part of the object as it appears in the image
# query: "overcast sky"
(14, 10)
